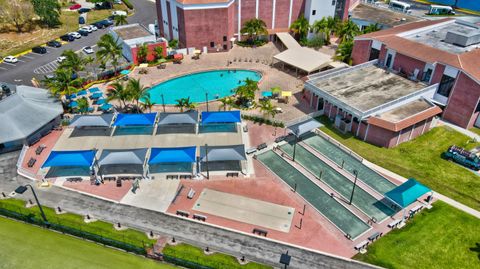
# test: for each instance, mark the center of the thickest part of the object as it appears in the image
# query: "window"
(333, 2)
(446, 85)
(389, 61)
(224, 38)
(212, 44)
(225, 47)
(374, 54)
(478, 107)
(314, 12)
(427, 75)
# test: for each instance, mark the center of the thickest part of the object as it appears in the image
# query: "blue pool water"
(217, 84)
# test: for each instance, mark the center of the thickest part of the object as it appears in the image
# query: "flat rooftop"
(367, 88)
(381, 16)
(132, 31)
(405, 111)
(435, 36)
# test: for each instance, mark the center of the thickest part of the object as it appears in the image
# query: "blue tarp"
(145, 119)
(92, 90)
(221, 117)
(407, 193)
(70, 158)
(173, 155)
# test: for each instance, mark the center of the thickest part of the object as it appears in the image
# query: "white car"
(60, 59)
(119, 13)
(88, 50)
(93, 27)
(75, 34)
(87, 28)
(10, 59)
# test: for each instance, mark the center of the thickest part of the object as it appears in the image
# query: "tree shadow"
(476, 249)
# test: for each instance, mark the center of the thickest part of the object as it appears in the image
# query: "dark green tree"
(48, 11)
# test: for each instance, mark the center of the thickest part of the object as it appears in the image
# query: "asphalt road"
(38, 65)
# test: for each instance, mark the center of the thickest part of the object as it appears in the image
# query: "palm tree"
(348, 30)
(344, 52)
(120, 20)
(109, 50)
(183, 103)
(63, 83)
(325, 26)
(73, 61)
(267, 108)
(173, 43)
(83, 105)
(147, 102)
(118, 92)
(300, 27)
(226, 102)
(253, 28)
(158, 52)
(371, 28)
(142, 53)
(247, 91)
(136, 92)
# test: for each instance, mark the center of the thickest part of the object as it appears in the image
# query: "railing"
(339, 145)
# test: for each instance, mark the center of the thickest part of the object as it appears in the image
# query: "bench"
(185, 176)
(39, 149)
(172, 176)
(262, 146)
(74, 179)
(199, 217)
(280, 139)
(191, 193)
(251, 150)
(394, 224)
(109, 178)
(31, 162)
(361, 245)
(375, 236)
(415, 210)
(119, 182)
(232, 174)
(183, 213)
(260, 232)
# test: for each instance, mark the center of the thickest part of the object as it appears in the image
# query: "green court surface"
(361, 199)
(29, 247)
(337, 155)
(344, 219)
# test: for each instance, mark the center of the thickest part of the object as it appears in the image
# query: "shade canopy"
(101, 101)
(91, 120)
(407, 193)
(95, 89)
(266, 94)
(96, 95)
(173, 155)
(105, 106)
(121, 156)
(73, 104)
(190, 117)
(146, 119)
(221, 117)
(70, 158)
(223, 153)
(303, 58)
(303, 127)
(82, 92)
(286, 93)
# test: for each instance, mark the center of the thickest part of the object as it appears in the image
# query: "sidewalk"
(461, 130)
(440, 196)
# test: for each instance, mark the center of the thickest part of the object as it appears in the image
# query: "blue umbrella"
(105, 107)
(101, 101)
(125, 72)
(266, 94)
(92, 90)
(73, 96)
(83, 92)
(96, 95)
(73, 104)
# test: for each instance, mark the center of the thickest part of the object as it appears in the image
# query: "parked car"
(84, 10)
(118, 2)
(87, 28)
(88, 50)
(119, 13)
(104, 5)
(81, 20)
(106, 23)
(10, 59)
(67, 37)
(75, 7)
(83, 32)
(54, 43)
(75, 35)
(60, 59)
(98, 24)
(93, 27)
(39, 50)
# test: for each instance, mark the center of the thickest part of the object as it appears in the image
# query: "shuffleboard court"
(243, 209)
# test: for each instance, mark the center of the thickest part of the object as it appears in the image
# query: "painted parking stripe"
(29, 57)
(21, 61)
(3, 68)
(9, 63)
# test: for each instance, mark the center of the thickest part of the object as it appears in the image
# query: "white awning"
(303, 127)
(288, 40)
(306, 59)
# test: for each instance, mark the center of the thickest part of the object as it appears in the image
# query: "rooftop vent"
(464, 39)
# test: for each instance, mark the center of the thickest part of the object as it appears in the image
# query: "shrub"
(262, 120)
(128, 4)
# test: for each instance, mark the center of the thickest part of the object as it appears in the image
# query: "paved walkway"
(216, 238)
(461, 130)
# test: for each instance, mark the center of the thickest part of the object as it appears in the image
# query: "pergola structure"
(178, 122)
(117, 161)
(221, 158)
(178, 159)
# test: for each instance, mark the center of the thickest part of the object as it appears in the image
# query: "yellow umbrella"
(286, 93)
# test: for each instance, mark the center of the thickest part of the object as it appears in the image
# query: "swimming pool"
(217, 84)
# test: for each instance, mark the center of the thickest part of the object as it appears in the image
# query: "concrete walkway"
(440, 196)
(461, 130)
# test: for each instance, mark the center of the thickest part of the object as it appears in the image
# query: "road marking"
(9, 63)
(46, 68)
(29, 57)
(21, 61)
(3, 68)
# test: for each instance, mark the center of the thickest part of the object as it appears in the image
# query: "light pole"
(206, 99)
(354, 185)
(22, 189)
(206, 161)
(295, 146)
(163, 103)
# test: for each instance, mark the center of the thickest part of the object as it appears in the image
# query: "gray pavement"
(216, 238)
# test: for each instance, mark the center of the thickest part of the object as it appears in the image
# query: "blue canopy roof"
(145, 119)
(70, 158)
(173, 155)
(407, 193)
(221, 117)
(266, 94)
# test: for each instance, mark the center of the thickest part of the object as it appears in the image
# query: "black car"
(54, 43)
(104, 5)
(83, 32)
(106, 23)
(98, 24)
(68, 38)
(84, 10)
(39, 50)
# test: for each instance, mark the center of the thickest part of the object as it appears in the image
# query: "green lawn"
(27, 246)
(421, 159)
(217, 260)
(442, 237)
(102, 228)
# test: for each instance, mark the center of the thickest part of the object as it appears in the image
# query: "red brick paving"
(109, 190)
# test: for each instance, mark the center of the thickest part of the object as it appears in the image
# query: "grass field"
(442, 237)
(102, 228)
(421, 159)
(30, 247)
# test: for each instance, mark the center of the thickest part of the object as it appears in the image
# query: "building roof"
(303, 58)
(131, 31)
(405, 116)
(407, 193)
(303, 127)
(26, 111)
(288, 40)
(196, 2)
(366, 87)
(430, 47)
(382, 16)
